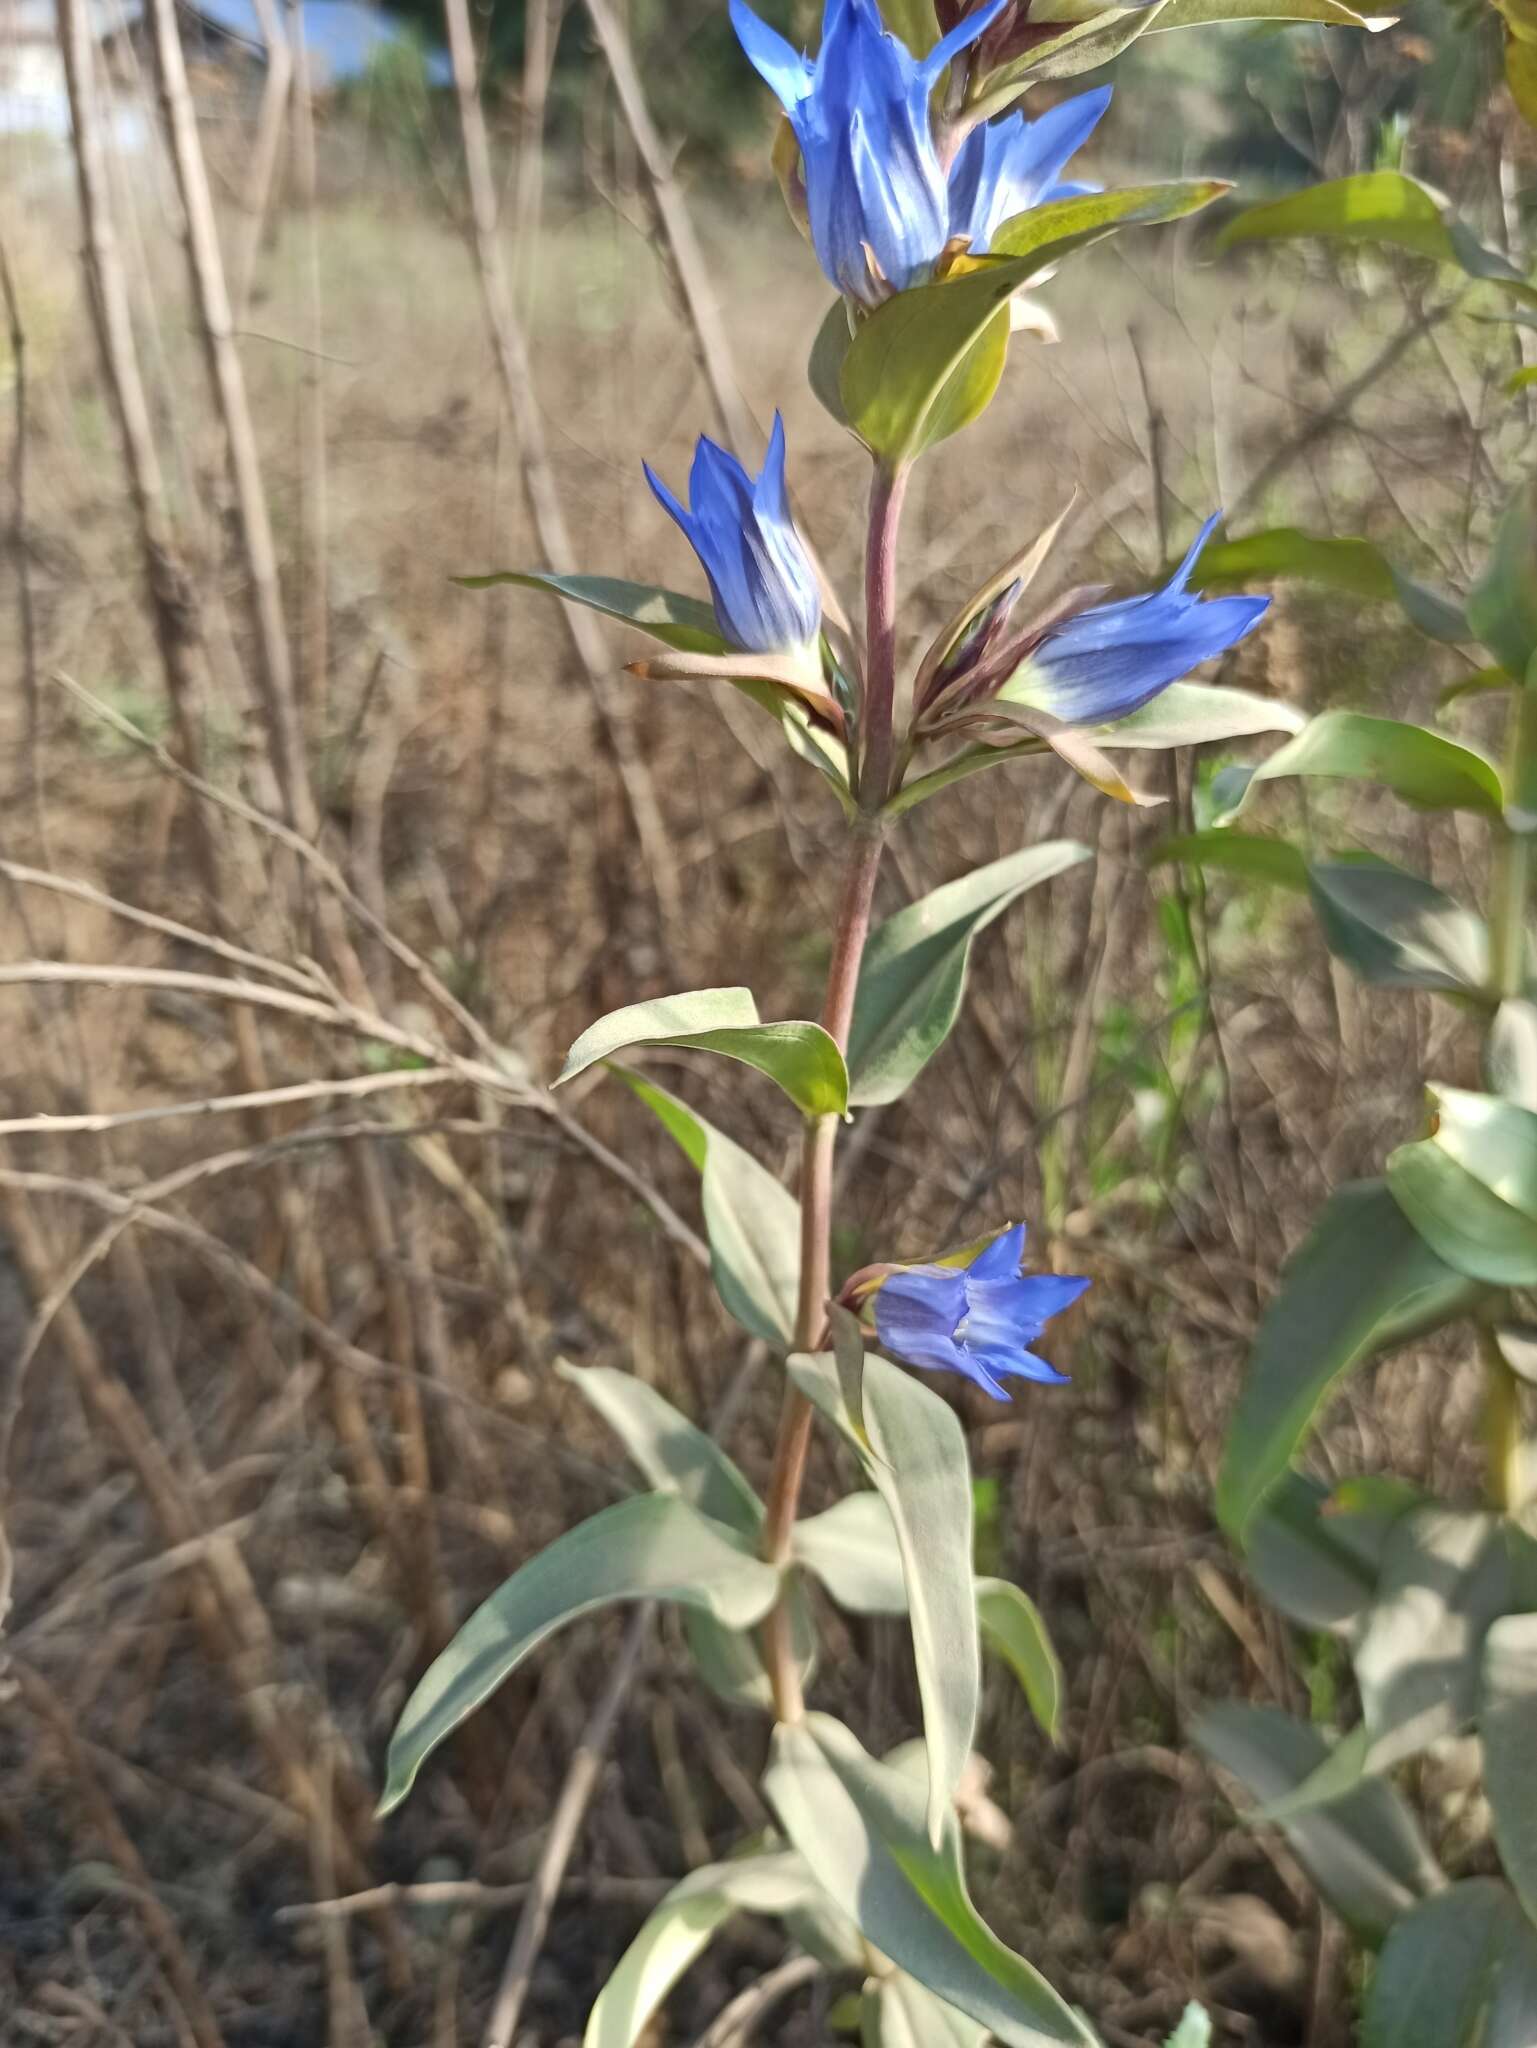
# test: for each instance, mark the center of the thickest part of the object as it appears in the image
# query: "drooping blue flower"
(761, 578)
(1106, 662)
(979, 1320)
(876, 192)
(1005, 167)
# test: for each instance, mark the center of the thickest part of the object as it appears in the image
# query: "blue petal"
(771, 497)
(669, 503)
(916, 1314)
(1000, 1260)
(1025, 1365)
(1003, 1316)
(1181, 577)
(1100, 670)
(1010, 166)
(781, 67)
(961, 37)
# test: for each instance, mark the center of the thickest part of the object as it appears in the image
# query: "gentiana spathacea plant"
(934, 203)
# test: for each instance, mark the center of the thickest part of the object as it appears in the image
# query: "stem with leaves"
(861, 866)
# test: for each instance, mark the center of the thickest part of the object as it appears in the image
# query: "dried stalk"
(512, 360)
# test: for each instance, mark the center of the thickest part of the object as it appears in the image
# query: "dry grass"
(471, 802)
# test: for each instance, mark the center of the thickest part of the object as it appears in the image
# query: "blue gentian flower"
(761, 579)
(1104, 663)
(979, 1320)
(1005, 167)
(876, 192)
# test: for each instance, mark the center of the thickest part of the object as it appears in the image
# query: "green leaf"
(681, 1928)
(730, 1660)
(1313, 1558)
(897, 2012)
(674, 1455)
(1013, 1629)
(802, 1058)
(824, 371)
(1338, 562)
(1243, 854)
(863, 1824)
(677, 621)
(1510, 1052)
(1365, 1853)
(1198, 13)
(1445, 1578)
(852, 1548)
(1396, 930)
(916, 1460)
(1364, 1280)
(1192, 714)
(1507, 1722)
(1083, 46)
(1194, 2029)
(1471, 1189)
(1459, 1972)
(1375, 206)
(1420, 766)
(752, 1222)
(927, 362)
(654, 1547)
(914, 972)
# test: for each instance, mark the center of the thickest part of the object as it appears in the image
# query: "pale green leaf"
(1507, 1722)
(913, 976)
(898, 2012)
(1394, 929)
(1013, 1629)
(1420, 766)
(1365, 1854)
(673, 1453)
(1364, 1280)
(1242, 854)
(915, 1458)
(679, 1930)
(801, 1057)
(677, 621)
(863, 1823)
(751, 1220)
(1459, 1972)
(852, 1548)
(654, 1547)
(1193, 714)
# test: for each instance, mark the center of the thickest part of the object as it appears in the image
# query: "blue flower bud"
(1102, 664)
(1005, 167)
(978, 1320)
(876, 192)
(761, 578)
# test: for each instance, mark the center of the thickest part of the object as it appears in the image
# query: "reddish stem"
(849, 936)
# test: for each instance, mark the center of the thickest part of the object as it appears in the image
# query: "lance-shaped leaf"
(1471, 1189)
(751, 1221)
(1328, 13)
(1194, 2029)
(673, 1453)
(1422, 767)
(1510, 1052)
(1386, 207)
(668, 616)
(682, 1927)
(1316, 1554)
(852, 1548)
(914, 1455)
(1193, 714)
(1244, 855)
(1012, 1629)
(654, 1547)
(1459, 1972)
(1338, 562)
(927, 363)
(1507, 1722)
(751, 673)
(898, 2012)
(1365, 1853)
(1445, 1578)
(913, 976)
(1083, 45)
(802, 1058)
(862, 1824)
(1364, 1280)
(1394, 929)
